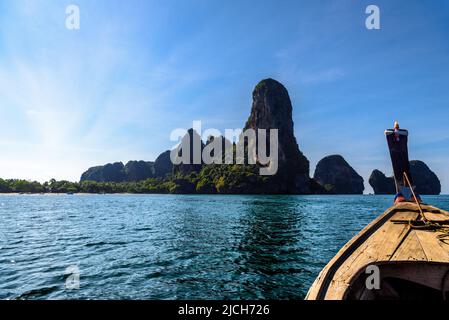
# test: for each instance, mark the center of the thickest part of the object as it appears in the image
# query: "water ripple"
(175, 246)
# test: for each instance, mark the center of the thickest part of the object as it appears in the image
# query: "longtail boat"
(401, 255)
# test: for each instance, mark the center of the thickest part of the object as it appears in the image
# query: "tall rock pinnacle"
(272, 109)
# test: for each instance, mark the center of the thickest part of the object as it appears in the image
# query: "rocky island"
(271, 109)
(131, 172)
(336, 176)
(425, 180)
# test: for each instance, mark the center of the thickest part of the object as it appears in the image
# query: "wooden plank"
(380, 241)
(431, 213)
(436, 216)
(434, 249)
(404, 215)
(379, 247)
(411, 206)
(323, 277)
(410, 250)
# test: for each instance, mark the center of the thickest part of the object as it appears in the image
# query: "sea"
(175, 246)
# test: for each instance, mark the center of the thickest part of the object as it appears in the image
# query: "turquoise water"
(175, 246)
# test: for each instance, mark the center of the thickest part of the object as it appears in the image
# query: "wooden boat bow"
(405, 250)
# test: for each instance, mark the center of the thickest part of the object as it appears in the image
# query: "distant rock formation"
(381, 184)
(111, 172)
(193, 154)
(163, 165)
(131, 172)
(272, 109)
(139, 170)
(336, 176)
(425, 180)
(225, 146)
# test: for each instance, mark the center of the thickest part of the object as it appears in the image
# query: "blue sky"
(136, 70)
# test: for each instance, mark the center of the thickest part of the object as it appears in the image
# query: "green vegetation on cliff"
(53, 186)
(211, 179)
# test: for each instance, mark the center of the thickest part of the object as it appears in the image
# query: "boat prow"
(411, 262)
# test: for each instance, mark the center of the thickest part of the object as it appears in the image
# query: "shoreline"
(190, 194)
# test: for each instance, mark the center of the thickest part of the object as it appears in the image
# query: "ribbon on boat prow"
(397, 140)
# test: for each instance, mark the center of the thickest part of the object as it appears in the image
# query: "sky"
(116, 88)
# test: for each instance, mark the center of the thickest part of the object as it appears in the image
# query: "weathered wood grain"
(384, 241)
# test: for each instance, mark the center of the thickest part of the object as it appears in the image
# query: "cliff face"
(163, 165)
(425, 180)
(132, 171)
(225, 145)
(272, 109)
(111, 172)
(139, 170)
(382, 184)
(193, 153)
(336, 176)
